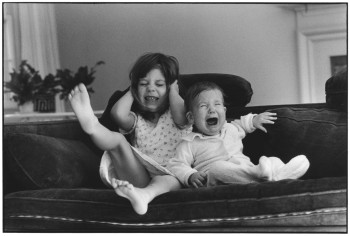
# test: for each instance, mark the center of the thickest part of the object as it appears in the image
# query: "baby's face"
(208, 112)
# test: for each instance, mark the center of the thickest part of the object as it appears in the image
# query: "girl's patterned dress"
(153, 144)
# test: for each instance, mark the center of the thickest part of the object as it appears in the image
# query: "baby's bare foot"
(136, 196)
(80, 102)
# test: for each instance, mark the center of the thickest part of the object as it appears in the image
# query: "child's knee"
(218, 167)
(119, 141)
(216, 170)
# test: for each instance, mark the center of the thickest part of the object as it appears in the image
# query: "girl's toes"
(129, 186)
(81, 87)
(114, 183)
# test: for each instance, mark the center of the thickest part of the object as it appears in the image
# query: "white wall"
(255, 41)
(322, 33)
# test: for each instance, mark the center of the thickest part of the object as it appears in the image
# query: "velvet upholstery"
(316, 202)
(337, 90)
(308, 131)
(63, 163)
(51, 181)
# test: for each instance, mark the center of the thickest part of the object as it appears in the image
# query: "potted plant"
(44, 100)
(32, 93)
(68, 80)
(25, 84)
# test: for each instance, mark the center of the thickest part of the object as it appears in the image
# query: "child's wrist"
(172, 90)
(253, 121)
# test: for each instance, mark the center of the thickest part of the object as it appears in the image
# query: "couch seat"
(303, 204)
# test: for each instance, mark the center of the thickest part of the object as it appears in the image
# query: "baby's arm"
(198, 179)
(121, 112)
(181, 164)
(177, 106)
(250, 122)
(264, 118)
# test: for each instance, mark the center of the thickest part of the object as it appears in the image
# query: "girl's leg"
(123, 159)
(127, 166)
(80, 102)
(141, 197)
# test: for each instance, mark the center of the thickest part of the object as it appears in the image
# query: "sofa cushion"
(320, 134)
(292, 203)
(37, 162)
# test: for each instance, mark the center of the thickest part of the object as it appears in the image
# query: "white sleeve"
(181, 164)
(124, 132)
(246, 123)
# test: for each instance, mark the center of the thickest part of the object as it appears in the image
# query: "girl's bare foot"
(80, 102)
(137, 197)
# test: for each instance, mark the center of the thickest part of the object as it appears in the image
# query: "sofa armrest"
(50, 154)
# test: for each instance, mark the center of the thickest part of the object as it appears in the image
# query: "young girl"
(138, 172)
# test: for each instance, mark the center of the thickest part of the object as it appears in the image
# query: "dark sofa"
(51, 181)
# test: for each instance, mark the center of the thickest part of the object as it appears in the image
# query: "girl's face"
(152, 91)
(208, 112)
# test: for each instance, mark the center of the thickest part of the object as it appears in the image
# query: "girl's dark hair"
(196, 89)
(168, 65)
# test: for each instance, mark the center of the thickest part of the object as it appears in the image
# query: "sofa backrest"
(310, 129)
(319, 133)
(238, 92)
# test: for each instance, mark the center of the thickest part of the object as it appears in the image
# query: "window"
(30, 34)
(9, 59)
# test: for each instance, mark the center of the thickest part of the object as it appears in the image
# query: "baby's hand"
(264, 118)
(198, 179)
(174, 87)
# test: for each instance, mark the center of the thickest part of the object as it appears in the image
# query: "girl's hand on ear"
(264, 118)
(174, 87)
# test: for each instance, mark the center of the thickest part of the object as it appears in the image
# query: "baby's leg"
(231, 172)
(141, 197)
(274, 169)
(294, 169)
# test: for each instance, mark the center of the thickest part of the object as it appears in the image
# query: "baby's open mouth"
(212, 121)
(151, 98)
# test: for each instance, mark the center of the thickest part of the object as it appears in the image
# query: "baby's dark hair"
(168, 66)
(196, 89)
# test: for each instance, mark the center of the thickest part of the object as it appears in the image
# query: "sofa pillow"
(36, 162)
(238, 91)
(320, 134)
(337, 90)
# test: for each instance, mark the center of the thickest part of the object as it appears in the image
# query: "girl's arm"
(121, 112)
(177, 105)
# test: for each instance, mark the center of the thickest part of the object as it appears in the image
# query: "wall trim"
(306, 40)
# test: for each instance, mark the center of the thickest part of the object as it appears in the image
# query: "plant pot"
(44, 103)
(27, 107)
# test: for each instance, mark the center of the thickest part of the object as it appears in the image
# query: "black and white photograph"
(175, 117)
